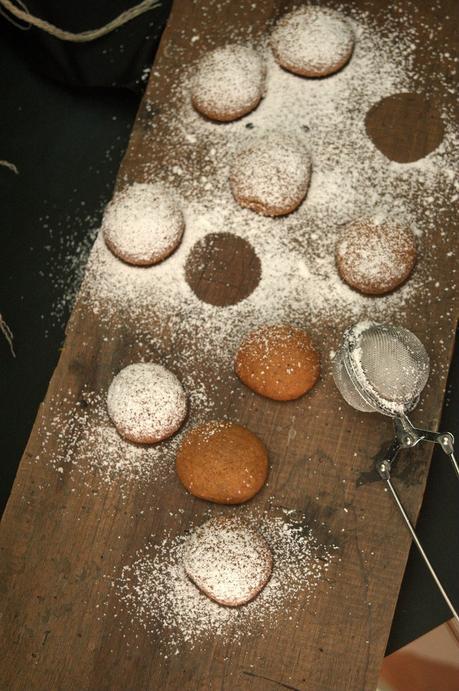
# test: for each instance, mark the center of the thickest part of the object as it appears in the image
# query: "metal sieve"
(381, 368)
(384, 368)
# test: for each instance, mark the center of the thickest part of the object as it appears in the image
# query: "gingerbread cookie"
(228, 83)
(279, 362)
(222, 462)
(375, 257)
(271, 176)
(143, 224)
(313, 41)
(228, 561)
(146, 403)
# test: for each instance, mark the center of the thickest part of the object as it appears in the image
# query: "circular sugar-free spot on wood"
(222, 269)
(405, 127)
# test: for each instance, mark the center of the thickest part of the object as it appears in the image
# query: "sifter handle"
(383, 469)
(409, 436)
(453, 460)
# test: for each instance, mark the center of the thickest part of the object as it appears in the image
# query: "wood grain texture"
(60, 540)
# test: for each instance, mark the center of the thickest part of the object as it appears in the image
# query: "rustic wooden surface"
(58, 543)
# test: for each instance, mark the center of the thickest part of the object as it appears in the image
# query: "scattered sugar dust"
(299, 284)
(83, 439)
(157, 593)
(350, 179)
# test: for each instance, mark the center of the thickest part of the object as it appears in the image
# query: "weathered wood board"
(58, 543)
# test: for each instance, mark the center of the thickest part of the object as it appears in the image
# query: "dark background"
(65, 119)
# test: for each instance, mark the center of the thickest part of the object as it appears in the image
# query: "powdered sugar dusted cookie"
(146, 403)
(279, 362)
(375, 257)
(143, 224)
(222, 462)
(229, 561)
(228, 83)
(313, 41)
(271, 176)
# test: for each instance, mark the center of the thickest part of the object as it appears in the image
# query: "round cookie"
(228, 561)
(228, 83)
(279, 362)
(146, 403)
(143, 224)
(375, 258)
(222, 462)
(272, 175)
(313, 41)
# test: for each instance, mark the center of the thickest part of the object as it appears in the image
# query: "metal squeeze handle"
(446, 441)
(408, 436)
(383, 468)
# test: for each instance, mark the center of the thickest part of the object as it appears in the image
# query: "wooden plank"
(60, 538)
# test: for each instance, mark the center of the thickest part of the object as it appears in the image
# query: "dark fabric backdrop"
(115, 60)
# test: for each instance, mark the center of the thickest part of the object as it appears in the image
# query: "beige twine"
(4, 328)
(11, 166)
(6, 331)
(84, 36)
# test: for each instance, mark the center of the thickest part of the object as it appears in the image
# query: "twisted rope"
(11, 166)
(84, 36)
(6, 331)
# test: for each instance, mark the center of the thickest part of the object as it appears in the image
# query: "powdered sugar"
(158, 593)
(313, 41)
(271, 176)
(81, 441)
(299, 284)
(350, 179)
(228, 82)
(229, 561)
(146, 402)
(143, 224)
(375, 257)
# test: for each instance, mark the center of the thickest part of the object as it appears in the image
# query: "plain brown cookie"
(313, 41)
(222, 462)
(375, 258)
(228, 561)
(279, 362)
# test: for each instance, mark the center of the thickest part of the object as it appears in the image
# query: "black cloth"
(67, 136)
(119, 59)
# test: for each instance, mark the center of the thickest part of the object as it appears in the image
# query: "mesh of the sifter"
(346, 387)
(381, 368)
(391, 365)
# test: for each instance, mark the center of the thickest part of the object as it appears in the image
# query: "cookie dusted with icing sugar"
(228, 561)
(228, 83)
(143, 224)
(279, 362)
(375, 257)
(222, 462)
(271, 176)
(313, 41)
(146, 403)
